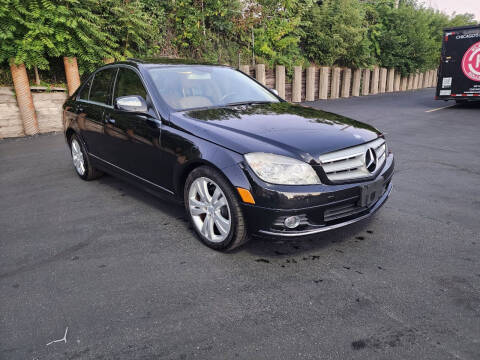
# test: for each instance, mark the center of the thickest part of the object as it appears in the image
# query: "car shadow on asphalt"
(267, 249)
(163, 203)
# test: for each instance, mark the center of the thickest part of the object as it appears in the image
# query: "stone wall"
(48, 106)
(49, 110)
(11, 124)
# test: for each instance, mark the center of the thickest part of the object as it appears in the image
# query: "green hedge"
(348, 33)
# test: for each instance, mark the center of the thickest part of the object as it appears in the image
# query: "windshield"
(190, 87)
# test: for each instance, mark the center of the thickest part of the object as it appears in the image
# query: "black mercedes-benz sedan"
(241, 159)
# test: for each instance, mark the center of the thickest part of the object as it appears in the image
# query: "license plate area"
(372, 192)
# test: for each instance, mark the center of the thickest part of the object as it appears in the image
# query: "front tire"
(214, 210)
(81, 160)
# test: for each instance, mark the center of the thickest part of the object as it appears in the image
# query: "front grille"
(349, 164)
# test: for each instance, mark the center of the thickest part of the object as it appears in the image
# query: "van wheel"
(214, 210)
(81, 160)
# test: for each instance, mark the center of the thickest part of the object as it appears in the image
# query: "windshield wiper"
(248, 103)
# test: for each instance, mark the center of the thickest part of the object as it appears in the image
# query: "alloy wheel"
(209, 209)
(77, 157)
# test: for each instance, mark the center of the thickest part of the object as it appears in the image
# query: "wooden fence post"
(410, 82)
(323, 83)
(245, 69)
(280, 80)
(347, 78)
(357, 78)
(390, 79)
(429, 78)
(24, 98)
(310, 90)
(404, 84)
(297, 84)
(420, 81)
(366, 82)
(396, 83)
(375, 78)
(335, 87)
(415, 81)
(260, 73)
(383, 80)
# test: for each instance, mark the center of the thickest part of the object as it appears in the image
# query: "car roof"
(166, 62)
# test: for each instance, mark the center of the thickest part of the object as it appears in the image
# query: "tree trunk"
(24, 98)
(37, 76)
(71, 72)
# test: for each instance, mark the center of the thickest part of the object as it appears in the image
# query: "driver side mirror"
(275, 91)
(131, 103)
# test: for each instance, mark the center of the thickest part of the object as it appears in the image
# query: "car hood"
(279, 128)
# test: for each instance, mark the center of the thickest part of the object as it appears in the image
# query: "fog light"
(292, 222)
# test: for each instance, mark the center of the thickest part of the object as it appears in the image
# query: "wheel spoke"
(210, 228)
(205, 225)
(197, 203)
(202, 189)
(221, 202)
(196, 211)
(223, 225)
(216, 194)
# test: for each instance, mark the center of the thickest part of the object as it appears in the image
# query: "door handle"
(110, 120)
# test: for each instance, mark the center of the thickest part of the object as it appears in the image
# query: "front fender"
(191, 152)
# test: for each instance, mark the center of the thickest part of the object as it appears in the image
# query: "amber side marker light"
(245, 195)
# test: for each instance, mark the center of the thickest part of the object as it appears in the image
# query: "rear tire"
(81, 161)
(214, 210)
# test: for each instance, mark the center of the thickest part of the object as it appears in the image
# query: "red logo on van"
(471, 62)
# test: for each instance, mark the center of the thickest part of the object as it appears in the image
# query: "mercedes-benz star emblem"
(371, 160)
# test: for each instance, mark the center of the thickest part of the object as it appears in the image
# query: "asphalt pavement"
(124, 272)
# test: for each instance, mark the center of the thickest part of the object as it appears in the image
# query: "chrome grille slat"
(340, 165)
(349, 164)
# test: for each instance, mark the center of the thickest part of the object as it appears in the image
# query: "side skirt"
(133, 179)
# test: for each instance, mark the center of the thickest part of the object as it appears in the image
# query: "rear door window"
(100, 91)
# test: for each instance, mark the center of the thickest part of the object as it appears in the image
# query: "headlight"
(277, 169)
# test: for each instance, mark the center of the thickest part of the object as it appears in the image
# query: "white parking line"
(440, 108)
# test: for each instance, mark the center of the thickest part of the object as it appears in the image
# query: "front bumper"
(330, 207)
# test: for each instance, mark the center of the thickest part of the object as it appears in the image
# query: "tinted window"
(128, 83)
(100, 91)
(83, 94)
